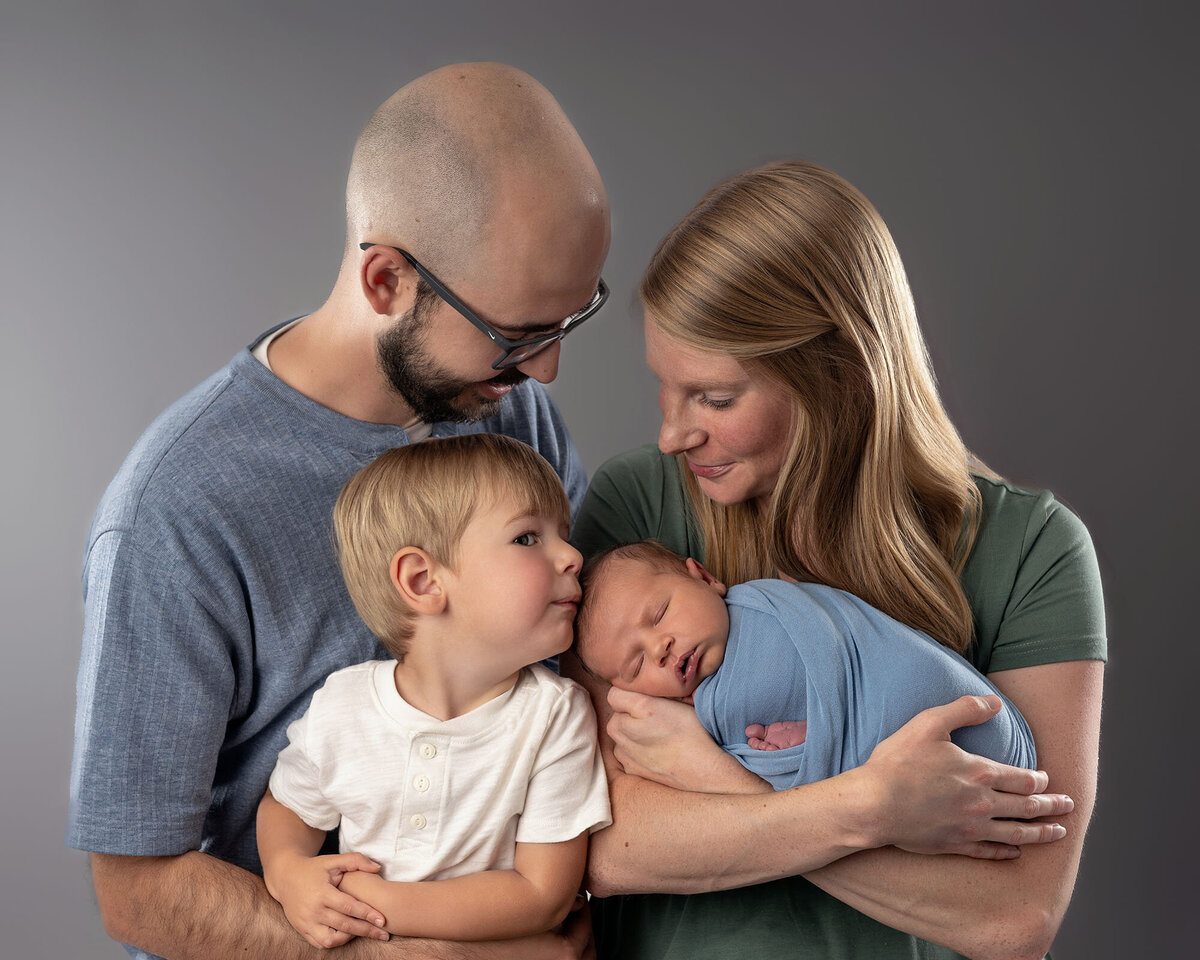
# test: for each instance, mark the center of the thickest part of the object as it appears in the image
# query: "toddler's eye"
(527, 539)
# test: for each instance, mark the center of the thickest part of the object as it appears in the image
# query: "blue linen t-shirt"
(214, 605)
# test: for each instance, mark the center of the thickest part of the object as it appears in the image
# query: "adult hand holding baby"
(935, 798)
(661, 739)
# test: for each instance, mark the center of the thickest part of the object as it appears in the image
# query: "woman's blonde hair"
(790, 270)
(424, 495)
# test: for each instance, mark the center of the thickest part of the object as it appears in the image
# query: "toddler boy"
(463, 776)
(799, 681)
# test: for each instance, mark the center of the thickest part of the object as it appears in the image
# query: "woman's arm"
(532, 897)
(996, 910)
(918, 790)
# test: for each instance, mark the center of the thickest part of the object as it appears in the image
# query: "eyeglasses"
(515, 351)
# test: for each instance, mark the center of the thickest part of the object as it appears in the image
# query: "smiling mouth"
(709, 472)
(501, 384)
(493, 390)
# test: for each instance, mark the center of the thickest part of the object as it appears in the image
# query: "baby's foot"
(776, 736)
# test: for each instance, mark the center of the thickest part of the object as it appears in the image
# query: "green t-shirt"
(1034, 588)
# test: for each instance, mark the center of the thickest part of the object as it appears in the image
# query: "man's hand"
(307, 889)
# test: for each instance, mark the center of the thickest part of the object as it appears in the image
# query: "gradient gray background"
(172, 177)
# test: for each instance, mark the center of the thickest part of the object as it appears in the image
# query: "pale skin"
(918, 794)
(661, 632)
(509, 600)
(195, 905)
(877, 837)
(321, 895)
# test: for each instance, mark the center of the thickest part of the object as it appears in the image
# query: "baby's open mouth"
(686, 666)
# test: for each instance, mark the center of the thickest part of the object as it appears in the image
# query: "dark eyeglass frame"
(515, 351)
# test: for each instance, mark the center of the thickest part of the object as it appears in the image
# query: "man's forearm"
(192, 907)
(196, 907)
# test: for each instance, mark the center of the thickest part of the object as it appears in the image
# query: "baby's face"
(655, 632)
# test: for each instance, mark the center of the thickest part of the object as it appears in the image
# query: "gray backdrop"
(172, 184)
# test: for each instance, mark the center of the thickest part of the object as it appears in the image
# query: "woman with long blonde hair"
(803, 436)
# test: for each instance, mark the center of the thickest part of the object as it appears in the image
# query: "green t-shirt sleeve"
(1054, 609)
(1032, 578)
(635, 496)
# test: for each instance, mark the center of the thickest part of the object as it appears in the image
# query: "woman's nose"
(675, 437)
(676, 434)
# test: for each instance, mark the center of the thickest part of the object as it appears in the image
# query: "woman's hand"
(662, 740)
(935, 798)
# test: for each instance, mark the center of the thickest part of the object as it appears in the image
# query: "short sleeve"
(634, 496)
(154, 694)
(567, 792)
(295, 781)
(1055, 611)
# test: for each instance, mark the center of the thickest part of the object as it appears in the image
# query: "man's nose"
(543, 366)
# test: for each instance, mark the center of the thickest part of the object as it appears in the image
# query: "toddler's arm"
(532, 897)
(306, 885)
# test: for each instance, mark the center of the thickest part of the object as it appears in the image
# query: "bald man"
(475, 232)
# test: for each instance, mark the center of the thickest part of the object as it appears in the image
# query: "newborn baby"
(799, 681)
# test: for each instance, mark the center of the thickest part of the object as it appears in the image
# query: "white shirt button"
(421, 783)
(428, 751)
(418, 820)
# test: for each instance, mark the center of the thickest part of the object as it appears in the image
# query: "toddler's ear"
(417, 578)
(697, 571)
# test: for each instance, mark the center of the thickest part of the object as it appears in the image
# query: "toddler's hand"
(776, 736)
(307, 889)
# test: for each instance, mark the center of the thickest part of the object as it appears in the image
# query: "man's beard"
(432, 394)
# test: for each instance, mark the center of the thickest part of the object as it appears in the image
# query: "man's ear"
(417, 577)
(388, 281)
(697, 571)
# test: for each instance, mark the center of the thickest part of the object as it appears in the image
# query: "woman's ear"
(697, 571)
(417, 577)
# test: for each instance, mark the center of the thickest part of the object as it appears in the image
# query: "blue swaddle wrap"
(803, 651)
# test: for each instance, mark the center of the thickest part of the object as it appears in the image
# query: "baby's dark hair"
(650, 552)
